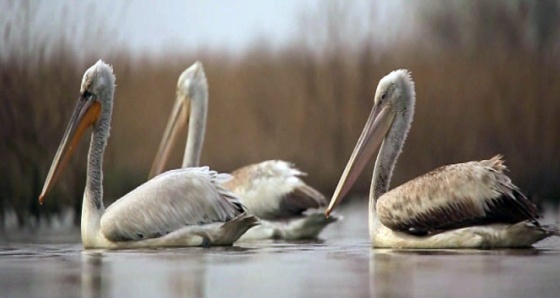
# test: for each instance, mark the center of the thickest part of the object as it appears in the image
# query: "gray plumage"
(271, 190)
(467, 205)
(186, 207)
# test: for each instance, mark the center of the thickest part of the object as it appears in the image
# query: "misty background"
(290, 80)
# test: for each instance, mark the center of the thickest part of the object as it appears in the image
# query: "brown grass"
(293, 105)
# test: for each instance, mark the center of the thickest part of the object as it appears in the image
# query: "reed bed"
(290, 104)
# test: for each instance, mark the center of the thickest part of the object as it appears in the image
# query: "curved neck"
(387, 157)
(94, 180)
(197, 128)
(92, 204)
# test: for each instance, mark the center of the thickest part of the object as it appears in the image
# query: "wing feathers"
(273, 190)
(456, 196)
(298, 201)
(168, 202)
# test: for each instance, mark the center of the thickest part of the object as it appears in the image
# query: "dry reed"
(291, 104)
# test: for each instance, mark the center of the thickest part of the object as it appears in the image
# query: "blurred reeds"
(293, 104)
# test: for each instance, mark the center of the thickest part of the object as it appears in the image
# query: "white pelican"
(185, 207)
(271, 190)
(467, 205)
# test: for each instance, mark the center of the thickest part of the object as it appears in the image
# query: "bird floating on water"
(465, 205)
(186, 207)
(271, 190)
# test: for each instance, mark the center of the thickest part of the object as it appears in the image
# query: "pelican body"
(186, 207)
(466, 205)
(271, 190)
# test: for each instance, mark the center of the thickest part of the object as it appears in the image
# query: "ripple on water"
(341, 264)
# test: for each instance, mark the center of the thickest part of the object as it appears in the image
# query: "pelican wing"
(172, 200)
(456, 196)
(273, 190)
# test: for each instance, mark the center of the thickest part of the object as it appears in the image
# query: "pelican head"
(192, 89)
(94, 105)
(191, 82)
(388, 122)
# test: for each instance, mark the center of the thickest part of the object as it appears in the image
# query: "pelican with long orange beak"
(466, 205)
(186, 207)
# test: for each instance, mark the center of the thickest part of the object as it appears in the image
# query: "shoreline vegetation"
(478, 95)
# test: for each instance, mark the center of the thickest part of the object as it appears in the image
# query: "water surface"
(342, 264)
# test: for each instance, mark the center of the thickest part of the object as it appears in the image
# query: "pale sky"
(152, 27)
(232, 25)
(217, 23)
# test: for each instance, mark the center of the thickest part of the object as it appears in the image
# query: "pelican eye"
(87, 94)
(384, 96)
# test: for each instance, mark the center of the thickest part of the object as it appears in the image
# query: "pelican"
(186, 207)
(465, 205)
(271, 190)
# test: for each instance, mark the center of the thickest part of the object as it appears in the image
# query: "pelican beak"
(370, 140)
(85, 115)
(179, 118)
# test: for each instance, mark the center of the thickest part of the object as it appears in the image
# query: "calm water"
(342, 264)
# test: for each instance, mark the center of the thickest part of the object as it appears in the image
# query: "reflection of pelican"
(92, 272)
(464, 205)
(271, 190)
(178, 208)
(392, 275)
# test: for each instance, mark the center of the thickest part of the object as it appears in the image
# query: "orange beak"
(375, 130)
(85, 114)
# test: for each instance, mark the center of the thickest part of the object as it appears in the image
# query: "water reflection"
(389, 275)
(92, 278)
(459, 273)
(149, 273)
(343, 265)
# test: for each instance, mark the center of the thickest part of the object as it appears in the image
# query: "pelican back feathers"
(456, 196)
